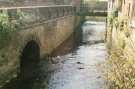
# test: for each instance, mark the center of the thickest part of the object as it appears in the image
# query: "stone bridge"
(93, 8)
(44, 28)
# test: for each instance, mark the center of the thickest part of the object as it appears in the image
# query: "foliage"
(120, 66)
(120, 70)
(112, 19)
(7, 27)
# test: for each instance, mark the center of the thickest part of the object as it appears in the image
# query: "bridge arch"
(29, 58)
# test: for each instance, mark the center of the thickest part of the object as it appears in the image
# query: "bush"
(120, 70)
(7, 27)
(120, 66)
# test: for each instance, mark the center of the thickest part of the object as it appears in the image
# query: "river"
(75, 69)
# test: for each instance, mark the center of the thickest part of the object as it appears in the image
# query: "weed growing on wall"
(8, 26)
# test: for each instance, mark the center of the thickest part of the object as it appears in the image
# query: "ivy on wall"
(8, 26)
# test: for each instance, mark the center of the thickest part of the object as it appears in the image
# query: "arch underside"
(29, 60)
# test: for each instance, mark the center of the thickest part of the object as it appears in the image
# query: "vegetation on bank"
(120, 66)
(8, 25)
(120, 71)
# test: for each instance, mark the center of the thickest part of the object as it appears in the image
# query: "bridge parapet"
(39, 14)
(93, 8)
(11, 3)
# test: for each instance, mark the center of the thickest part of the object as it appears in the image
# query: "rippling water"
(76, 69)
